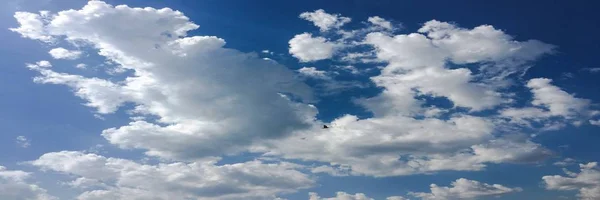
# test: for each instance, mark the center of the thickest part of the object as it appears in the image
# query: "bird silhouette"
(325, 126)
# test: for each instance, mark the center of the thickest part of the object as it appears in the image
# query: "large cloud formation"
(204, 92)
(445, 104)
(114, 178)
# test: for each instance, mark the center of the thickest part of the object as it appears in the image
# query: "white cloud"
(587, 181)
(346, 196)
(558, 102)
(207, 94)
(325, 21)
(81, 66)
(313, 72)
(408, 136)
(465, 189)
(307, 48)
(340, 196)
(14, 186)
(209, 100)
(595, 122)
(266, 51)
(380, 22)
(23, 141)
(62, 53)
(32, 26)
(43, 63)
(125, 179)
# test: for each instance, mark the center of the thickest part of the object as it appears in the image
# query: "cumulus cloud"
(114, 178)
(14, 186)
(307, 48)
(587, 181)
(325, 21)
(62, 53)
(201, 92)
(465, 189)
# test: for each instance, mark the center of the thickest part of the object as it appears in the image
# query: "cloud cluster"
(461, 189)
(444, 105)
(587, 181)
(115, 178)
(465, 189)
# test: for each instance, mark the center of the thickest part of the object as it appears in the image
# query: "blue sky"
(124, 102)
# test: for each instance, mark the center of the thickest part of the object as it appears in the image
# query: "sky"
(227, 100)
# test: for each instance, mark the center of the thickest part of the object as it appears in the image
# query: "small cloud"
(592, 70)
(266, 51)
(380, 22)
(81, 66)
(567, 75)
(565, 162)
(100, 117)
(324, 20)
(313, 72)
(62, 53)
(23, 141)
(44, 63)
(349, 68)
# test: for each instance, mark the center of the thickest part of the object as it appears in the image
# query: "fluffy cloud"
(380, 22)
(201, 92)
(114, 178)
(62, 53)
(558, 102)
(32, 26)
(209, 100)
(465, 189)
(307, 48)
(587, 181)
(325, 21)
(409, 134)
(14, 186)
